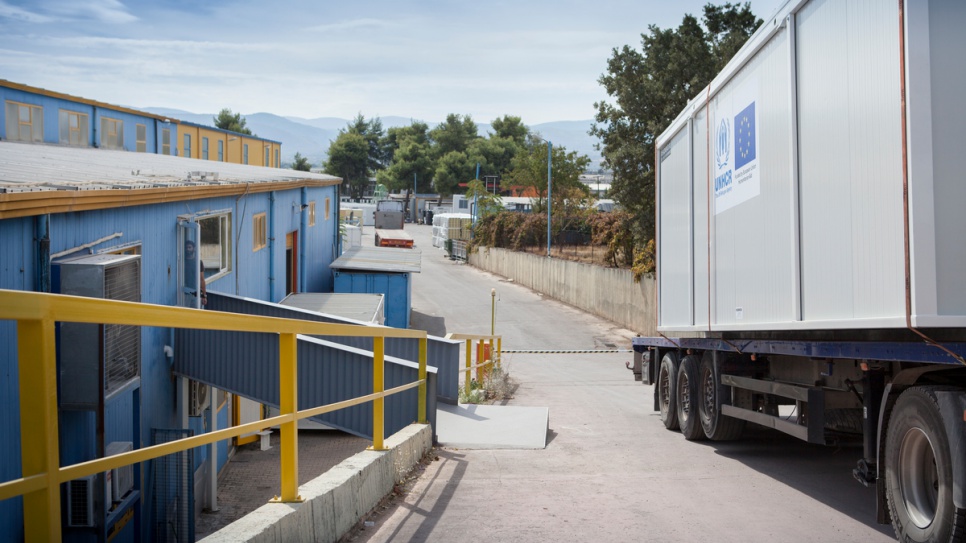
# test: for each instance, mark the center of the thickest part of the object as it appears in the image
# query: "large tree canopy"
(650, 87)
(226, 120)
(349, 159)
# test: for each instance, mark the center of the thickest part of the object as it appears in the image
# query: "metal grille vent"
(80, 502)
(122, 344)
(174, 511)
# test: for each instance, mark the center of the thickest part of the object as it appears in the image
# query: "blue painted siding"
(397, 288)
(51, 111)
(155, 228)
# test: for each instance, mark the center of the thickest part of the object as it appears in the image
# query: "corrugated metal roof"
(361, 307)
(384, 259)
(34, 166)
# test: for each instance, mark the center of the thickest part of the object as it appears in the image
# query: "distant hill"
(311, 137)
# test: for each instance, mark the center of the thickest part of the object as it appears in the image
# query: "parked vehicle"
(810, 250)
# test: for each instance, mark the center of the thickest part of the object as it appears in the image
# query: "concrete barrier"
(337, 499)
(610, 293)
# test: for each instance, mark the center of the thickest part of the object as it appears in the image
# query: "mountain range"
(311, 137)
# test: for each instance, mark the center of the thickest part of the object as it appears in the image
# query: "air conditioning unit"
(121, 479)
(198, 398)
(80, 502)
(99, 359)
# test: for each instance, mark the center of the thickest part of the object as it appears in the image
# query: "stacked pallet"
(451, 226)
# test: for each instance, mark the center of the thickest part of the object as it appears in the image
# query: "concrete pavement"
(610, 471)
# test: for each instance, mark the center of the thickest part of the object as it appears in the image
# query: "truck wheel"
(712, 395)
(667, 390)
(919, 471)
(688, 399)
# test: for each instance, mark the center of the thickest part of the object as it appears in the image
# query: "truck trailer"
(811, 250)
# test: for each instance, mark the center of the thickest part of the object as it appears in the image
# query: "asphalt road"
(610, 472)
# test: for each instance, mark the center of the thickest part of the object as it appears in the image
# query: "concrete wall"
(606, 292)
(337, 499)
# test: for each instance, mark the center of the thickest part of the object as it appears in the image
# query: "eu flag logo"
(745, 150)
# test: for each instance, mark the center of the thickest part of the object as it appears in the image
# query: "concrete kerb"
(336, 500)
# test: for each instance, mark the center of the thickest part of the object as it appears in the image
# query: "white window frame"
(215, 246)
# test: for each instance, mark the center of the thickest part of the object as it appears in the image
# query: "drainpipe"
(42, 228)
(337, 243)
(271, 246)
(304, 232)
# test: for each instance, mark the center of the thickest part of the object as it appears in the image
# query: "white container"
(780, 187)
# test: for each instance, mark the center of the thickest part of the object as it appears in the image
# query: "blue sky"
(538, 60)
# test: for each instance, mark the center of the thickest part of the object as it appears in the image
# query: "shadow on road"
(823, 473)
(435, 326)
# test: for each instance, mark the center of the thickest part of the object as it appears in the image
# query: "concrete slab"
(470, 426)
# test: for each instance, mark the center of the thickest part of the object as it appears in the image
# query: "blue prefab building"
(115, 224)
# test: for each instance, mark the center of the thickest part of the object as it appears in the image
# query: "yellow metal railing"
(480, 366)
(42, 474)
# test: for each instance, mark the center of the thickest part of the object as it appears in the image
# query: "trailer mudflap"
(952, 407)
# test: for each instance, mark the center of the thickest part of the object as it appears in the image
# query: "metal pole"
(493, 312)
(549, 193)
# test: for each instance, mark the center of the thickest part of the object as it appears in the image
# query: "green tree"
(511, 128)
(650, 87)
(487, 203)
(226, 120)
(374, 135)
(411, 160)
(301, 163)
(455, 134)
(451, 170)
(494, 154)
(529, 169)
(349, 159)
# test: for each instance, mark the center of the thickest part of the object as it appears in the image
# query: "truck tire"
(918, 471)
(712, 395)
(667, 390)
(688, 399)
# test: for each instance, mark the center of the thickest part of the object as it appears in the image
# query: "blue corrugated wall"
(154, 227)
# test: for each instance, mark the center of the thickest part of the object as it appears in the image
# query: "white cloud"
(355, 24)
(13, 12)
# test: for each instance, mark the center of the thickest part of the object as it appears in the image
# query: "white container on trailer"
(780, 188)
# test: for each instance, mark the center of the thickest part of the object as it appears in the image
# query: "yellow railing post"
(421, 402)
(499, 351)
(469, 362)
(378, 385)
(38, 427)
(288, 401)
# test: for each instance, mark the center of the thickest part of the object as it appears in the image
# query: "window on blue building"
(165, 141)
(112, 133)
(25, 122)
(216, 245)
(142, 138)
(73, 128)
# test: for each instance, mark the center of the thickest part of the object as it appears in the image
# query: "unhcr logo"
(722, 150)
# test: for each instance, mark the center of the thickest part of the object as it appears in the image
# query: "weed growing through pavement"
(496, 387)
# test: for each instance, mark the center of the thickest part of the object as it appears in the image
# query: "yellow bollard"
(469, 360)
(378, 385)
(421, 402)
(39, 440)
(288, 401)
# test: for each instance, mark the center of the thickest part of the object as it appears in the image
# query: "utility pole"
(549, 193)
